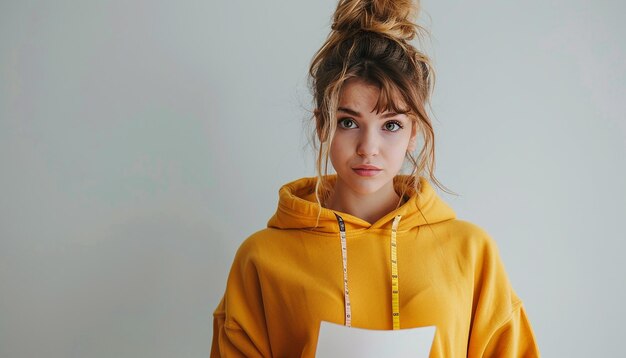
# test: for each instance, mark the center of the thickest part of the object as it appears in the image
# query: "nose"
(368, 143)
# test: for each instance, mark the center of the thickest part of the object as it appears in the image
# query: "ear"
(413, 139)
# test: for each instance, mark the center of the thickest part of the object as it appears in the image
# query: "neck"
(369, 207)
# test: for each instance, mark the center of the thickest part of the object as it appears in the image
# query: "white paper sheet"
(341, 341)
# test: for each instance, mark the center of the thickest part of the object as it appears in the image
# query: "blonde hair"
(369, 40)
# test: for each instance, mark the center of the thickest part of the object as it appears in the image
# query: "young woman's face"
(368, 149)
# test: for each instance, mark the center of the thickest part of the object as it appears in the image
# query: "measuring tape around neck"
(344, 259)
(395, 290)
(395, 286)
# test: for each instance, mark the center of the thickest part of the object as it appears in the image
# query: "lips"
(366, 170)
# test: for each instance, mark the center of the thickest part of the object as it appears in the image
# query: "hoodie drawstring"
(395, 289)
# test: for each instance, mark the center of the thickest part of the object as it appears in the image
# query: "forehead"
(357, 91)
(361, 95)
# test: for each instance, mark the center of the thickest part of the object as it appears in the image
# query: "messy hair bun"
(370, 40)
(394, 18)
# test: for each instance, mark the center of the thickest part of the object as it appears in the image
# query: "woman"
(369, 247)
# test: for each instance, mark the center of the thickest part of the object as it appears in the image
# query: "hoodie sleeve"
(514, 338)
(500, 327)
(239, 326)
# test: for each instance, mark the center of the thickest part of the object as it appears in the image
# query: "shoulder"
(258, 245)
(472, 246)
(482, 253)
(467, 235)
(465, 228)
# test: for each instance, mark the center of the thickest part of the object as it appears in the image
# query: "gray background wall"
(141, 142)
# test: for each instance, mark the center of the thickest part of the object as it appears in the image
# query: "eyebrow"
(357, 114)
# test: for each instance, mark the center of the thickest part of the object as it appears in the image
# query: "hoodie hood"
(298, 209)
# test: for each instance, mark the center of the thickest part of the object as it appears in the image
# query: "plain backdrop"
(141, 142)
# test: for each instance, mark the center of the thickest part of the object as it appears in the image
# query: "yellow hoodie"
(289, 277)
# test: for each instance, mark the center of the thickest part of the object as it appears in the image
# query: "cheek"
(397, 149)
(340, 148)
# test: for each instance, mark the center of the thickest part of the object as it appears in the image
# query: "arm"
(500, 327)
(514, 338)
(239, 328)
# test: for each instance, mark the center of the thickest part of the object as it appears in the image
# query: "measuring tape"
(395, 287)
(344, 258)
(395, 290)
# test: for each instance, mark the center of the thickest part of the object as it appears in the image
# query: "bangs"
(392, 96)
(390, 99)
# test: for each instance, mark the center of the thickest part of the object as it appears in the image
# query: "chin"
(366, 187)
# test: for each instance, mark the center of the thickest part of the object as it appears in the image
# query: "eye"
(392, 126)
(347, 123)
